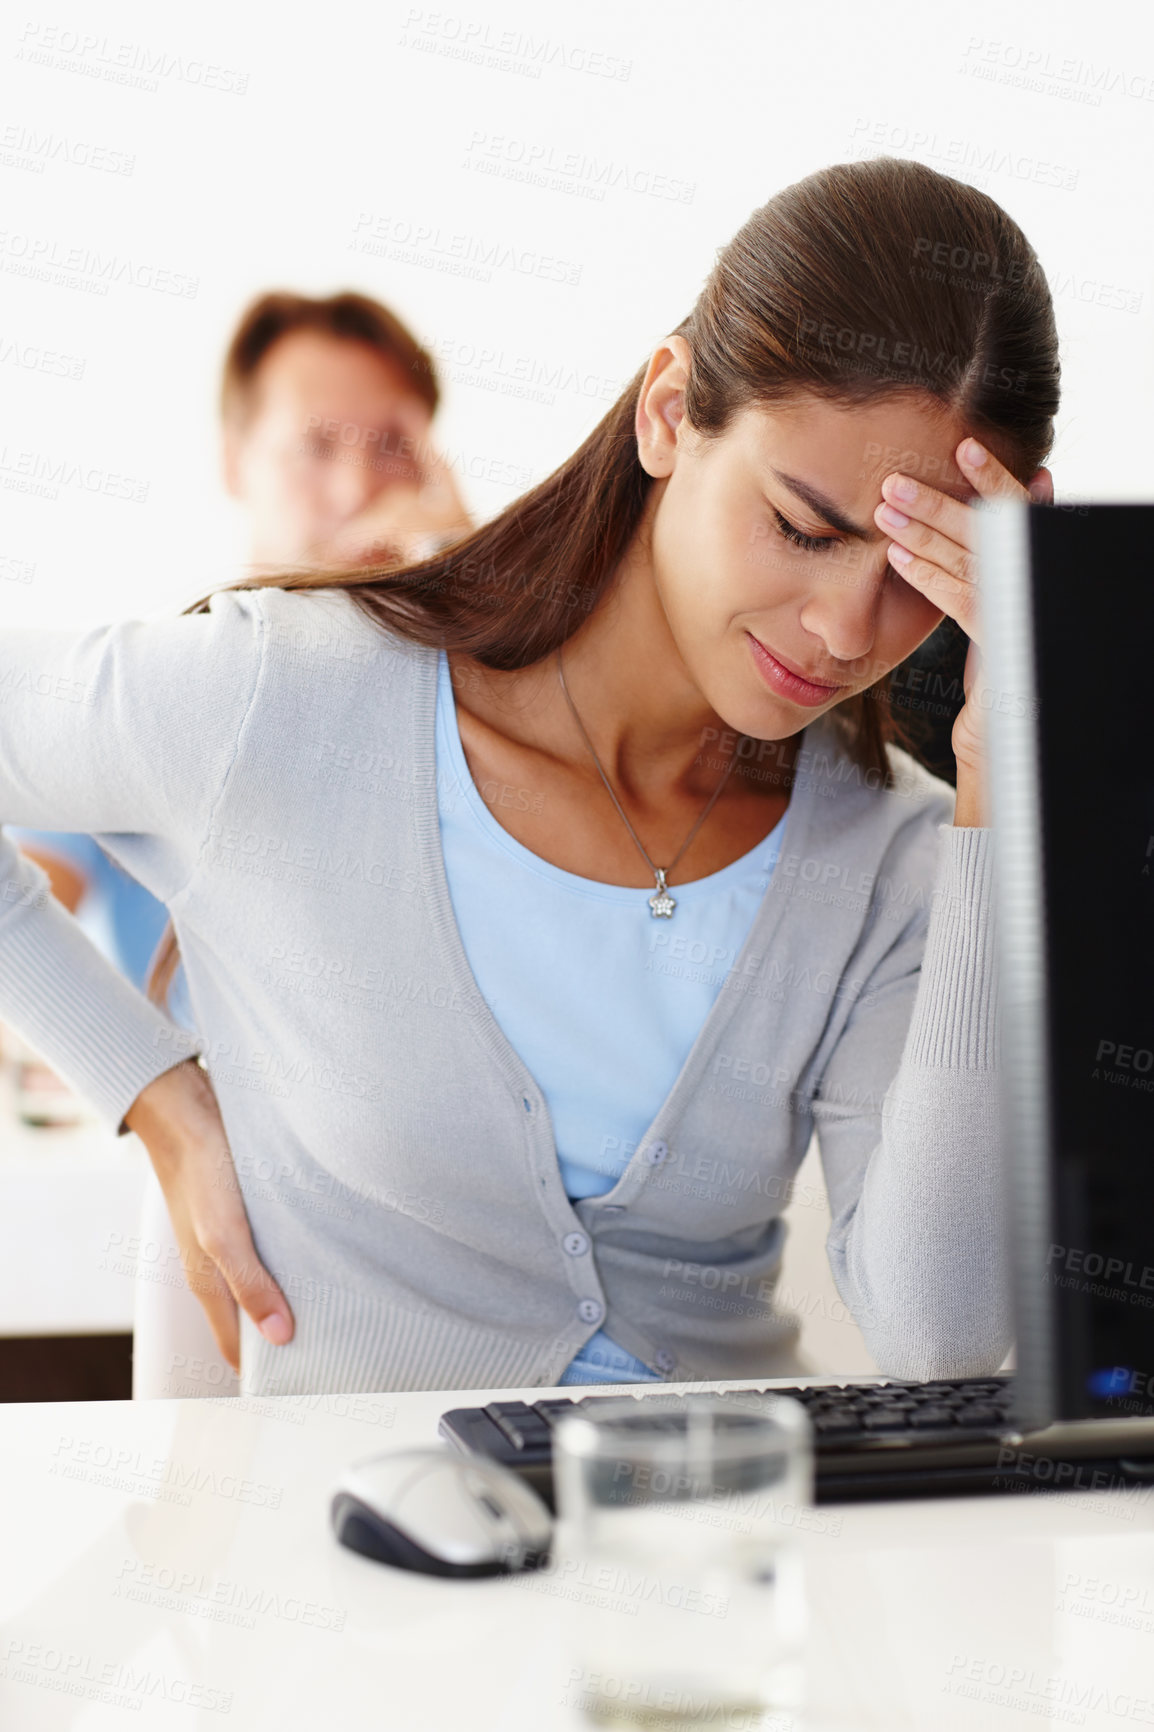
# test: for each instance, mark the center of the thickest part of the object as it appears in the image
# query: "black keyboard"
(871, 1440)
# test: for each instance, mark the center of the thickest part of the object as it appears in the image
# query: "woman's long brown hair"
(863, 281)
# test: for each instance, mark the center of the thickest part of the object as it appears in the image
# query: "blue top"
(601, 999)
(123, 919)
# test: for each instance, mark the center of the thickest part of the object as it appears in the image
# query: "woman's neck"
(650, 725)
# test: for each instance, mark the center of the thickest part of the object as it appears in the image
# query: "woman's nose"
(842, 607)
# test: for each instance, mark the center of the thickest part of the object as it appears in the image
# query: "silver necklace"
(661, 903)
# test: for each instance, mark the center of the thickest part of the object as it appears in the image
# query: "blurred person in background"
(326, 413)
(326, 409)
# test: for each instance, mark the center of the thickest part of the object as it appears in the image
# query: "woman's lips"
(786, 681)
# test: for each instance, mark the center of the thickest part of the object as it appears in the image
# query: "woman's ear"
(661, 407)
(1040, 487)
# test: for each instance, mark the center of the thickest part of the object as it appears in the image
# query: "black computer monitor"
(1067, 609)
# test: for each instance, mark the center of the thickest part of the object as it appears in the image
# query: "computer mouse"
(441, 1513)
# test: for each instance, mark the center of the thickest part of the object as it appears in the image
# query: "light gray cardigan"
(267, 769)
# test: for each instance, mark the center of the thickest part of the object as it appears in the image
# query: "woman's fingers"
(216, 1248)
(933, 534)
(952, 591)
(225, 1237)
(205, 1281)
(177, 1118)
(209, 1286)
(919, 537)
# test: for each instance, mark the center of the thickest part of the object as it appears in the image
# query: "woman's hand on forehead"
(933, 551)
(934, 533)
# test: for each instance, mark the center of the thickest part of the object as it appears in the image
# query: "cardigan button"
(575, 1243)
(657, 1152)
(664, 1360)
(590, 1311)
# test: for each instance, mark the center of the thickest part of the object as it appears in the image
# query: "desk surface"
(179, 1551)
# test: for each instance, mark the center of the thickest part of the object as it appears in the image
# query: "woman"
(538, 900)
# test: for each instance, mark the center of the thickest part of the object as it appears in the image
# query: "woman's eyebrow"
(826, 508)
(837, 520)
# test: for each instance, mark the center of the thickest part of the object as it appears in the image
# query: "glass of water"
(679, 1529)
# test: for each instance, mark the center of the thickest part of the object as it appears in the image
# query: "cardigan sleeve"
(127, 729)
(907, 1119)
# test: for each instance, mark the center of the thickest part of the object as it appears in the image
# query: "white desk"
(920, 1612)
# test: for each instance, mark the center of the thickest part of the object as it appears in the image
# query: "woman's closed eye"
(814, 543)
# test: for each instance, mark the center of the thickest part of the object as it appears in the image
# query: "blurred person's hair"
(831, 289)
(347, 315)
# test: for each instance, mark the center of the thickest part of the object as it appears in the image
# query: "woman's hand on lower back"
(177, 1118)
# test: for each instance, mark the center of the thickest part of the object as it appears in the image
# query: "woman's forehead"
(839, 454)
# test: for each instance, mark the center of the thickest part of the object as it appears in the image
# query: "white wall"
(313, 121)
